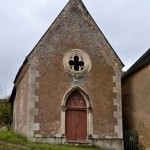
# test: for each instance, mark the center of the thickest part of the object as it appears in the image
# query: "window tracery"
(77, 63)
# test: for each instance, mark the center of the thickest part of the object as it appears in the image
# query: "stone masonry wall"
(20, 123)
(136, 102)
(74, 29)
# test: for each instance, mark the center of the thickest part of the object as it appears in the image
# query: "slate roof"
(143, 61)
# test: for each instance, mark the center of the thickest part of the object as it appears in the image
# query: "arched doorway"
(76, 118)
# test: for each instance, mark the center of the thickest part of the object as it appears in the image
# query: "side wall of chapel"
(20, 111)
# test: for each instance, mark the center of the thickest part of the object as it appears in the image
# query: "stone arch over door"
(89, 114)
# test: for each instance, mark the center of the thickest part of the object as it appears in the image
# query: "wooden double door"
(76, 118)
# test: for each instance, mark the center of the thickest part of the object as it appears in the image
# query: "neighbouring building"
(136, 100)
(68, 89)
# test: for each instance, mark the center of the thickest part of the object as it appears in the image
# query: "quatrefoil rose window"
(76, 62)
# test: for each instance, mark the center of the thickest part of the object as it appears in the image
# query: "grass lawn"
(11, 141)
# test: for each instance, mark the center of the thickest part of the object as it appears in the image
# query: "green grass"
(6, 147)
(17, 141)
(13, 138)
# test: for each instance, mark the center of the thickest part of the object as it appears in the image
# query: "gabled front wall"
(136, 104)
(75, 30)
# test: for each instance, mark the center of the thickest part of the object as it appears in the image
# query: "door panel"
(76, 125)
(81, 125)
(76, 118)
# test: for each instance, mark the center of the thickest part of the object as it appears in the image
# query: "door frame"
(88, 110)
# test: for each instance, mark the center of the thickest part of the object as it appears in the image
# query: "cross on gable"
(76, 63)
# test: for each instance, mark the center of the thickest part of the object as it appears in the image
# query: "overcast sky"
(125, 23)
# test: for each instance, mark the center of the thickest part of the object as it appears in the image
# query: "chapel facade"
(68, 89)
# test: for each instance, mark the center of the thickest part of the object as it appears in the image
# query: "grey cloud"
(125, 24)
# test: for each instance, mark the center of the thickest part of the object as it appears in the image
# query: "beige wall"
(136, 104)
(21, 106)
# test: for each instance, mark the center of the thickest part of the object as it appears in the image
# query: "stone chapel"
(68, 89)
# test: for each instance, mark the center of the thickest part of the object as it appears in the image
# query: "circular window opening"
(77, 62)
